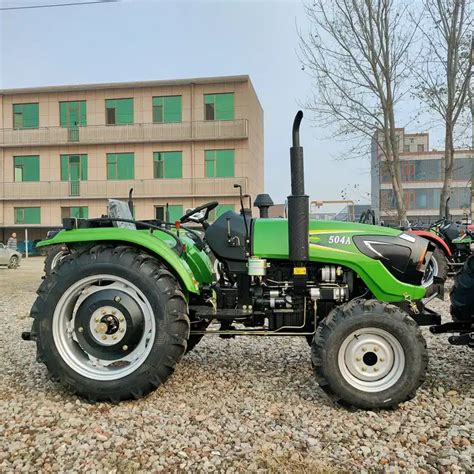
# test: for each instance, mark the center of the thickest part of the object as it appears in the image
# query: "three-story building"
(422, 177)
(65, 149)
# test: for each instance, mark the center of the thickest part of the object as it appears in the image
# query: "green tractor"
(128, 298)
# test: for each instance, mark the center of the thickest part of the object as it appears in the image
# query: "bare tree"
(357, 52)
(444, 72)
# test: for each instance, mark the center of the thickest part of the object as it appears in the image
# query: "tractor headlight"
(405, 256)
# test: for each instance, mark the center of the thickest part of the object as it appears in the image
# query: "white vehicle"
(10, 258)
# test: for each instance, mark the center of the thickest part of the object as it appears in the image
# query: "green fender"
(156, 242)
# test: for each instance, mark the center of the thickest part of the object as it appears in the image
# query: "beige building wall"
(244, 134)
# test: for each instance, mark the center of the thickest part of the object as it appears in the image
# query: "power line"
(58, 5)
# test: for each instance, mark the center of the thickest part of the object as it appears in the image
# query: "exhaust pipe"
(298, 201)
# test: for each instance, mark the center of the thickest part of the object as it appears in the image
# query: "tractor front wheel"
(369, 354)
(110, 323)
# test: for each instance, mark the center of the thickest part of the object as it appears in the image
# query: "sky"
(138, 40)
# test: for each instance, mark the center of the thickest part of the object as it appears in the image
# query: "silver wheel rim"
(430, 272)
(371, 359)
(13, 261)
(66, 340)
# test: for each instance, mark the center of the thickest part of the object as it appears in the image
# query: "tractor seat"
(117, 209)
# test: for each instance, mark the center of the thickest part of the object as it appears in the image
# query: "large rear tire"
(110, 323)
(369, 354)
(462, 293)
(437, 267)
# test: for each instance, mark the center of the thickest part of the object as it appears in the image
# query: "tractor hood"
(369, 250)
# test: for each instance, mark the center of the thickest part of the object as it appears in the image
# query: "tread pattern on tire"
(462, 292)
(176, 313)
(349, 310)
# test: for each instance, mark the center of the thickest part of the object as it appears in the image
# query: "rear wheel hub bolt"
(104, 337)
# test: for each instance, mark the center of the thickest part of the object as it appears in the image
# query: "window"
(219, 163)
(407, 170)
(175, 212)
(26, 115)
(167, 164)
(219, 210)
(462, 169)
(120, 166)
(79, 212)
(219, 106)
(167, 109)
(460, 198)
(118, 111)
(420, 147)
(406, 147)
(73, 167)
(73, 113)
(26, 168)
(27, 215)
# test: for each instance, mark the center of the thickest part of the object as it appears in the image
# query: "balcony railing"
(133, 133)
(142, 188)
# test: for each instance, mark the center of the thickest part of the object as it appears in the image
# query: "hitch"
(464, 328)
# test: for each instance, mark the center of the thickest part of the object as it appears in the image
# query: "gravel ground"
(234, 405)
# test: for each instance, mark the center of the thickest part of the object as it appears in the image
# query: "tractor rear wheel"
(110, 323)
(462, 293)
(437, 267)
(369, 354)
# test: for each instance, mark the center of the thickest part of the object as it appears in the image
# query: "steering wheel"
(208, 207)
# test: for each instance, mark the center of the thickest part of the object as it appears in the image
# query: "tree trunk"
(448, 169)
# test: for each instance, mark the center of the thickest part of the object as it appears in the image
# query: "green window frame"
(120, 166)
(73, 167)
(118, 111)
(26, 168)
(219, 106)
(167, 164)
(26, 115)
(175, 211)
(219, 210)
(167, 109)
(27, 215)
(79, 212)
(73, 113)
(219, 163)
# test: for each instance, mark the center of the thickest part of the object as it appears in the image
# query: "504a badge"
(339, 239)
